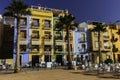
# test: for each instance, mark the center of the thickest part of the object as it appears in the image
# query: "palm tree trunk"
(99, 48)
(112, 46)
(68, 48)
(17, 61)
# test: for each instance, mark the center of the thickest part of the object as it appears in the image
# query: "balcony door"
(59, 59)
(35, 59)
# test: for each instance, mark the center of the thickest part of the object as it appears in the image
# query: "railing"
(45, 8)
(58, 37)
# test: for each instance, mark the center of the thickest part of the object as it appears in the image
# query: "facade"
(39, 41)
(115, 42)
(41, 32)
(105, 44)
(60, 46)
(1, 30)
(80, 41)
(58, 40)
(6, 51)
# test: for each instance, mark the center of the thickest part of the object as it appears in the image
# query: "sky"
(84, 10)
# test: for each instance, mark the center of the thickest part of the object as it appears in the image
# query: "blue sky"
(83, 10)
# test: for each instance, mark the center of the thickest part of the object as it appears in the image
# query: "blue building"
(24, 40)
(80, 42)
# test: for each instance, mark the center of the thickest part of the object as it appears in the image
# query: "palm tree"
(66, 23)
(99, 27)
(16, 9)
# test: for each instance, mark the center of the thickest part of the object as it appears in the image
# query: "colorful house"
(105, 44)
(81, 43)
(39, 41)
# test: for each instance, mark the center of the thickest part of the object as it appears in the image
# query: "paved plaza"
(56, 74)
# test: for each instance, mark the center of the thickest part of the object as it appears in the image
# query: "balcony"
(9, 20)
(114, 39)
(35, 48)
(58, 49)
(23, 22)
(47, 52)
(106, 48)
(83, 50)
(115, 50)
(22, 48)
(47, 37)
(82, 40)
(35, 23)
(34, 26)
(35, 42)
(47, 49)
(58, 37)
(105, 36)
(23, 41)
(71, 49)
(46, 27)
(70, 38)
(35, 37)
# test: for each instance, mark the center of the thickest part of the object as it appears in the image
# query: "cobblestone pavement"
(55, 74)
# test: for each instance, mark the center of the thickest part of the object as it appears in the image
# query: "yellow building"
(115, 42)
(41, 32)
(47, 44)
(105, 49)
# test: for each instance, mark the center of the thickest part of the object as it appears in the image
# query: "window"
(47, 48)
(23, 34)
(22, 48)
(70, 37)
(58, 48)
(58, 36)
(35, 23)
(70, 47)
(105, 35)
(95, 33)
(23, 21)
(106, 45)
(96, 44)
(9, 20)
(82, 37)
(47, 24)
(35, 34)
(81, 29)
(35, 48)
(83, 47)
(47, 35)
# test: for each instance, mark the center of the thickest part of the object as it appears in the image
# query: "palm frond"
(99, 27)
(67, 22)
(17, 7)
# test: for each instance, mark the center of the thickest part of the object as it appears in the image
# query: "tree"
(66, 23)
(99, 27)
(16, 9)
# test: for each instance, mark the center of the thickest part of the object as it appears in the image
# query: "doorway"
(118, 57)
(59, 59)
(47, 58)
(35, 59)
